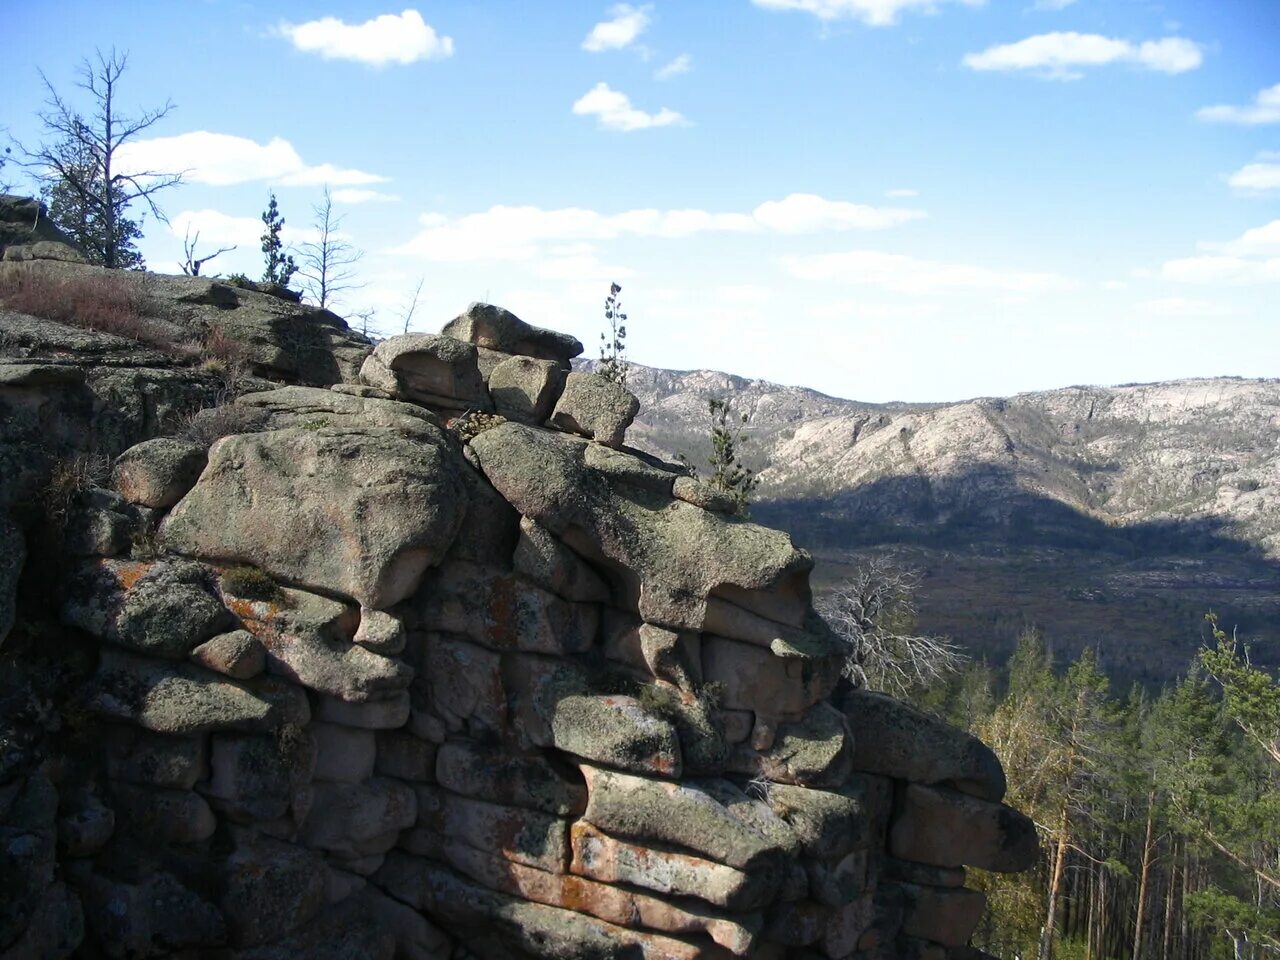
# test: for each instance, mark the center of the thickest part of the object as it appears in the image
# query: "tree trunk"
(1141, 908)
(1055, 886)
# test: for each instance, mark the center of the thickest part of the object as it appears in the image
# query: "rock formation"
(425, 662)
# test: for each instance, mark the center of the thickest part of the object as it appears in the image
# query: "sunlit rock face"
(390, 678)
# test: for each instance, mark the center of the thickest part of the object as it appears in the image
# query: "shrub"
(103, 302)
(250, 583)
(473, 423)
(209, 424)
(69, 477)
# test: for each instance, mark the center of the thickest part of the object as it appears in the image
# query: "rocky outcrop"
(371, 675)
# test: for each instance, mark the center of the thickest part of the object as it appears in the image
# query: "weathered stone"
(259, 777)
(521, 928)
(343, 754)
(668, 555)
(617, 732)
(814, 641)
(501, 612)
(551, 565)
(405, 756)
(497, 329)
(176, 698)
(463, 681)
(619, 906)
(521, 835)
(417, 938)
(237, 654)
(607, 859)
(153, 759)
(491, 527)
(797, 923)
(163, 816)
(85, 824)
(310, 408)
(946, 828)
(13, 553)
(837, 882)
(753, 678)
(637, 808)
(672, 656)
(346, 932)
(438, 371)
(630, 466)
(308, 639)
(360, 515)
(154, 917)
(899, 741)
(704, 495)
(944, 915)
(920, 873)
(357, 819)
(102, 525)
(526, 389)
(55, 929)
(490, 773)
(596, 408)
(28, 839)
(158, 473)
(380, 632)
(828, 825)
(271, 889)
(846, 925)
(164, 609)
(814, 752)
(386, 713)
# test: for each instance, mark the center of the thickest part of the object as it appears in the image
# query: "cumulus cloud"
(221, 159)
(905, 274)
(1252, 257)
(875, 13)
(681, 64)
(1264, 109)
(356, 195)
(626, 24)
(390, 38)
(216, 227)
(1261, 175)
(613, 111)
(1060, 55)
(521, 233)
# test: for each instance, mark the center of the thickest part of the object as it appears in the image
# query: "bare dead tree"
(365, 318)
(413, 305)
(326, 265)
(80, 157)
(874, 610)
(191, 264)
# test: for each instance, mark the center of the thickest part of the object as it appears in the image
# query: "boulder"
(55, 929)
(158, 473)
(494, 328)
(596, 408)
(311, 408)
(259, 777)
(491, 773)
(702, 494)
(85, 823)
(944, 915)
(343, 754)
(155, 916)
(162, 816)
(668, 556)
(236, 654)
(617, 732)
(436, 371)
(385, 713)
(753, 678)
(152, 759)
(463, 682)
(526, 389)
(357, 819)
(271, 889)
(416, 937)
(813, 752)
(164, 609)
(899, 741)
(101, 524)
(380, 632)
(345, 932)
(361, 515)
(544, 560)
(946, 828)
(402, 755)
(520, 835)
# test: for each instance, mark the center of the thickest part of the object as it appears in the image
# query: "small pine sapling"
(613, 345)
(280, 267)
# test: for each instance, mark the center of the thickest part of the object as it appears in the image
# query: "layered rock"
(388, 678)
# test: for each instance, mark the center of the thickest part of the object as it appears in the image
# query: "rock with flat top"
(595, 407)
(436, 371)
(494, 328)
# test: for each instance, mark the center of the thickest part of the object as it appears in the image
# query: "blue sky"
(881, 199)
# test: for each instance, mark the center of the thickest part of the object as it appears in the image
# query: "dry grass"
(68, 478)
(102, 302)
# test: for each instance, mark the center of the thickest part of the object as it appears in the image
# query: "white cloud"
(363, 196)
(1221, 269)
(681, 64)
(220, 159)
(1261, 241)
(390, 38)
(520, 233)
(1264, 109)
(904, 274)
(1256, 176)
(902, 192)
(1177, 308)
(614, 111)
(216, 228)
(627, 24)
(875, 13)
(1059, 55)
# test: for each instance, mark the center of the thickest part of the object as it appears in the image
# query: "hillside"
(1113, 516)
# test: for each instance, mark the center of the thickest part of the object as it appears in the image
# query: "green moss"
(251, 583)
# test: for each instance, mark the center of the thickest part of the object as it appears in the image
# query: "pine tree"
(613, 346)
(727, 473)
(280, 267)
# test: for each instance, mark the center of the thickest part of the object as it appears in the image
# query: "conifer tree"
(613, 346)
(279, 267)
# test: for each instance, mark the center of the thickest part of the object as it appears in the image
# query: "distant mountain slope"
(1113, 517)
(1137, 458)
